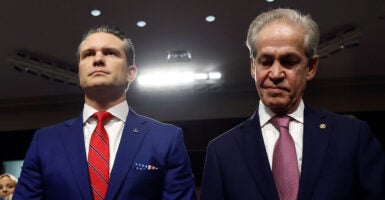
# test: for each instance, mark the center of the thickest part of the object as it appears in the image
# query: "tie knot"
(281, 121)
(102, 116)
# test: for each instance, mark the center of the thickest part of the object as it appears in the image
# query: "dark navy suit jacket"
(341, 160)
(55, 166)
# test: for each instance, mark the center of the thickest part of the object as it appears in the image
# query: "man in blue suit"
(335, 157)
(148, 159)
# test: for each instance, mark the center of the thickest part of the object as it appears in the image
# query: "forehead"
(6, 179)
(277, 36)
(101, 40)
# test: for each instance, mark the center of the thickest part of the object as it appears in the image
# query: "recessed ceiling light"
(210, 18)
(269, 0)
(141, 24)
(95, 12)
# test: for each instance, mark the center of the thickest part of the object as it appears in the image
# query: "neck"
(103, 100)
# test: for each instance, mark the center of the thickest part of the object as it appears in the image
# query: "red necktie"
(99, 157)
(285, 164)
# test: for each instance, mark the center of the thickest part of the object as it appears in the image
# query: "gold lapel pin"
(135, 130)
(322, 126)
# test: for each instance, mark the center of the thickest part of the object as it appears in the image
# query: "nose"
(277, 72)
(99, 59)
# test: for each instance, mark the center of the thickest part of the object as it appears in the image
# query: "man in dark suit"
(335, 157)
(147, 159)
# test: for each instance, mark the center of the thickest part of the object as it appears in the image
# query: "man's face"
(103, 62)
(280, 68)
(7, 187)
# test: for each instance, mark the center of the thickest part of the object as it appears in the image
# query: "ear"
(131, 75)
(252, 68)
(312, 67)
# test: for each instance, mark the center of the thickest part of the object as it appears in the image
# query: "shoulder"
(55, 132)
(157, 125)
(155, 130)
(337, 119)
(229, 137)
(60, 125)
(341, 127)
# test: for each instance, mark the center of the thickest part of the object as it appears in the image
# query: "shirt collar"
(119, 111)
(265, 114)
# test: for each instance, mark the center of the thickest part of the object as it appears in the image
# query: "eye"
(265, 61)
(88, 54)
(290, 61)
(110, 52)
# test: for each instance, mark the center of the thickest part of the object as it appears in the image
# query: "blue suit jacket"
(55, 166)
(341, 160)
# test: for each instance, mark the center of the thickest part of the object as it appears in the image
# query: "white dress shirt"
(114, 127)
(270, 134)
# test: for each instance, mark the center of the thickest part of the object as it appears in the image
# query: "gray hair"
(116, 31)
(285, 16)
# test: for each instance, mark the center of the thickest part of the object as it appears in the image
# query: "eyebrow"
(91, 49)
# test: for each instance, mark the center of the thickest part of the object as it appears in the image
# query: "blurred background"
(192, 60)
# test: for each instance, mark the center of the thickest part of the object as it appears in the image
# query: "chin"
(276, 104)
(275, 100)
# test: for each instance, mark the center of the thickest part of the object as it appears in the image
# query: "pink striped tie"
(99, 157)
(285, 164)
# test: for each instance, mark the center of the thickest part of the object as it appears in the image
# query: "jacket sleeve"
(212, 180)
(371, 169)
(179, 180)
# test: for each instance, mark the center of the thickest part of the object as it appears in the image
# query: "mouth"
(276, 89)
(98, 73)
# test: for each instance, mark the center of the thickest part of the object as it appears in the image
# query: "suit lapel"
(133, 134)
(73, 141)
(315, 142)
(254, 154)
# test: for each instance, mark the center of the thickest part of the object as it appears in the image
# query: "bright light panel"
(175, 78)
(200, 76)
(165, 79)
(215, 75)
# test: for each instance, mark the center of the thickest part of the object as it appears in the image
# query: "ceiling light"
(179, 56)
(269, 0)
(210, 18)
(141, 24)
(201, 76)
(95, 12)
(165, 79)
(174, 79)
(215, 75)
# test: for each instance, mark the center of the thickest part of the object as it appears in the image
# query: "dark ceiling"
(53, 28)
